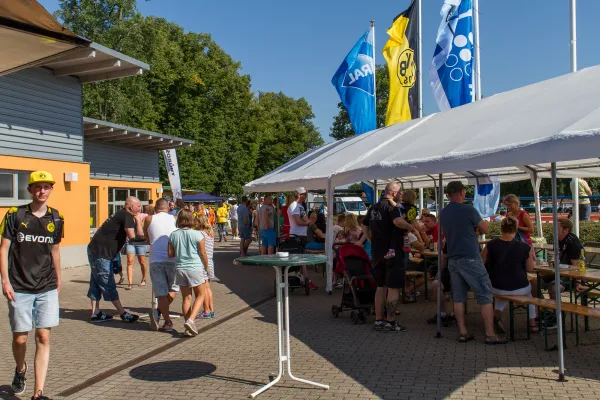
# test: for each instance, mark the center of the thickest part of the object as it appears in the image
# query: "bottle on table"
(582, 261)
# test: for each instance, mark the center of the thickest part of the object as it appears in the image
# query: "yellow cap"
(41, 177)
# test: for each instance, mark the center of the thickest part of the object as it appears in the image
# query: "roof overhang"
(121, 135)
(96, 63)
(30, 35)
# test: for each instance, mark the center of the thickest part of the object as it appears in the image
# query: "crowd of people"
(181, 241)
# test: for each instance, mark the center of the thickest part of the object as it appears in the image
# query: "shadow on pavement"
(6, 393)
(172, 371)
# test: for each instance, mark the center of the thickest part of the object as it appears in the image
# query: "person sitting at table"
(570, 249)
(508, 261)
(316, 231)
(513, 209)
(447, 317)
(411, 241)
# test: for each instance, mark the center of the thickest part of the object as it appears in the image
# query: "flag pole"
(375, 71)
(477, 69)
(575, 186)
(420, 60)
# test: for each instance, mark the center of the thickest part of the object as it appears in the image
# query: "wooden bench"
(524, 301)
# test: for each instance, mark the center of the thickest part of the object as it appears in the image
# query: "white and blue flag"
(487, 197)
(355, 84)
(451, 72)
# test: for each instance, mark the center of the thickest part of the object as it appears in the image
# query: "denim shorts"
(190, 277)
(246, 232)
(102, 280)
(137, 249)
(33, 310)
(268, 237)
(468, 273)
(162, 275)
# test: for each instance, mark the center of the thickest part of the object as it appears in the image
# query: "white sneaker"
(190, 326)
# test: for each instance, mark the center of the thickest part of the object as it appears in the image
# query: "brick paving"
(235, 357)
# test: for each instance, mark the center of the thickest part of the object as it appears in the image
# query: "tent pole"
(439, 206)
(375, 192)
(536, 182)
(559, 335)
(421, 200)
(329, 237)
(575, 182)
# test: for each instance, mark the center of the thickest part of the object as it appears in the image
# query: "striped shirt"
(209, 244)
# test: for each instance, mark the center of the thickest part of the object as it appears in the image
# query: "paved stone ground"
(237, 351)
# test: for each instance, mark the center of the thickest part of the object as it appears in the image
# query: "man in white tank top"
(157, 229)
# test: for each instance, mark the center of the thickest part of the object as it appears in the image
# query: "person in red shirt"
(431, 226)
(285, 229)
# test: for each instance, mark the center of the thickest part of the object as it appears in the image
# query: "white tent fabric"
(505, 135)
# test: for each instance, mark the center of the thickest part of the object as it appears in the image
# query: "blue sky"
(296, 46)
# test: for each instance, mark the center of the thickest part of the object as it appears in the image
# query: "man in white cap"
(297, 215)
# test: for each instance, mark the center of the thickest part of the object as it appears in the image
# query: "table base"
(283, 313)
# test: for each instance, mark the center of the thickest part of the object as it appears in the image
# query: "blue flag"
(487, 197)
(355, 84)
(451, 71)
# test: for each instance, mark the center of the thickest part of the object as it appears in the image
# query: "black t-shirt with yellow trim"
(30, 268)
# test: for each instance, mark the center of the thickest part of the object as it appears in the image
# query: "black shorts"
(390, 273)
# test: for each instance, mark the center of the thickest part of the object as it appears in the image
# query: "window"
(117, 196)
(13, 187)
(93, 207)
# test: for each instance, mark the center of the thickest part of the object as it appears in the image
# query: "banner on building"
(173, 171)
(401, 55)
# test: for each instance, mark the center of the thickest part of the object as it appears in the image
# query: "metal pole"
(420, 61)
(375, 70)
(573, 15)
(440, 204)
(536, 182)
(559, 335)
(375, 192)
(421, 199)
(476, 47)
(329, 236)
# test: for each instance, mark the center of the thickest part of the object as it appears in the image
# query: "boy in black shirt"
(30, 270)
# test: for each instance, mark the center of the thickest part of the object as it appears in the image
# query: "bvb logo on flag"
(407, 68)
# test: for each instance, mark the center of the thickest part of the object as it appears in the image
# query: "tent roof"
(505, 136)
(201, 196)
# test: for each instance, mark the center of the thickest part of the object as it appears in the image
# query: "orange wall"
(103, 186)
(71, 199)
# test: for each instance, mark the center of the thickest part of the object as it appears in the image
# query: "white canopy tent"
(551, 126)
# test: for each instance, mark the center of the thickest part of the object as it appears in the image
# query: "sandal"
(467, 337)
(121, 280)
(495, 340)
(129, 287)
(142, 283)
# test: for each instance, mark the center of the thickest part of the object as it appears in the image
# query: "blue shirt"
(458, 224)
(185, 243)
(242, 212)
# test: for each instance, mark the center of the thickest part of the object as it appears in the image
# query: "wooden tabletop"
(550, 246)
(426, 253)
(592, 275)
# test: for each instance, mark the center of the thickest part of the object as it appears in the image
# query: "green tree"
(342, 127)
(194, 90)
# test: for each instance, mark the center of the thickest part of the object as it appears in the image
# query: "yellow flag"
(400, 52)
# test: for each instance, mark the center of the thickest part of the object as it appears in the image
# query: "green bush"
(588, 231)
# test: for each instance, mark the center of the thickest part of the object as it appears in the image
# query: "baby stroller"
(298, 277)
(358, 291)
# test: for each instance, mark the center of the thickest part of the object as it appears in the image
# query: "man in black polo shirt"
(380, 225)
(30, 270)
(103, 248)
